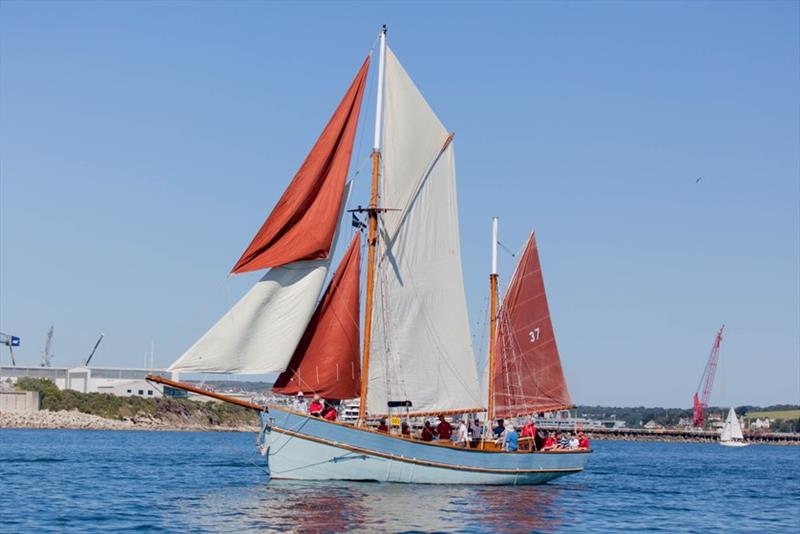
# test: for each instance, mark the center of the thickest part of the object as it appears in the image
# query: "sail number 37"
(534, 334)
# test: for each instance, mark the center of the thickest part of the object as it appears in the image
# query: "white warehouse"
(123, 382)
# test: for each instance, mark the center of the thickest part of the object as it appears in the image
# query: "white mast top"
(494, 245)
(379, 101)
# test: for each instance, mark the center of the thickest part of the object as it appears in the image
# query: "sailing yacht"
(731, 434)
(415, 358)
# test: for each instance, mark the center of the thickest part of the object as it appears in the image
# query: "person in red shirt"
(405, 429)
(583, 441)
(528, 431)
(382, 427)
(550, 442)
(330, 412)
(428, 433)
(444, 429)
(316, 406)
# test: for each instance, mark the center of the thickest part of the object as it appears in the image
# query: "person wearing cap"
(300, 402)
(316, 406)
(510, 438)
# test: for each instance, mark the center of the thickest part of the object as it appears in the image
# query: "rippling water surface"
(97, 481)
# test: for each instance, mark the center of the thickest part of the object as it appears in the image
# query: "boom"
(703, 393)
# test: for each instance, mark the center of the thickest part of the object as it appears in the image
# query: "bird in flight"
(698, 180)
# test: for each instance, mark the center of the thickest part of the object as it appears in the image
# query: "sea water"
(101, 481)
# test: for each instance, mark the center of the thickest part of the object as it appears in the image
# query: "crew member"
(330, 412)
(444, 429)
(316, 406)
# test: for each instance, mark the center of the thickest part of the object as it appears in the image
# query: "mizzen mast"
(492, 322)
(372, 212)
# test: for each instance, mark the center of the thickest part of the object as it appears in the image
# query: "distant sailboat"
(416, 357)
(731, 435)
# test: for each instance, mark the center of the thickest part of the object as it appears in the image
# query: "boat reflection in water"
(286, 505)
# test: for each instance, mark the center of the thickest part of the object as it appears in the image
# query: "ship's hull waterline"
(307, 448)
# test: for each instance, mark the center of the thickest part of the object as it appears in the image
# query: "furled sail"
(302, 224)
(327, 359)
(421, 347)
(527, 374)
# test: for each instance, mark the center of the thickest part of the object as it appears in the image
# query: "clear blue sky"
(142, 145)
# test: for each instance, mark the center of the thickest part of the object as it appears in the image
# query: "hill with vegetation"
(166, 409)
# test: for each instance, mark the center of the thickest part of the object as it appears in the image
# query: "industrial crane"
(706, 382)
(10, 341)
(86, 363)
(47, 356)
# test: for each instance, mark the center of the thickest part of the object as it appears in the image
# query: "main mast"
(492, 322)
(372, 211)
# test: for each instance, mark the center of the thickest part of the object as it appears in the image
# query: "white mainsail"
(421, 348)
(731, 430)
(260, 332)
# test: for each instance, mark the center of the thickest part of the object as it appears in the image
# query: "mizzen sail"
(527, 370)
(421, 347)
(327, 359)
(302, 224)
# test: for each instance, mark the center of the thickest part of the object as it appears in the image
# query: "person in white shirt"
(573, 442)
(300, 403)
(462, 438)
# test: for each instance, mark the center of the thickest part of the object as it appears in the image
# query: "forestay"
(421, 347)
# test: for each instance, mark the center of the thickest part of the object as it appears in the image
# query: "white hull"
(732, 443)
(303, 448)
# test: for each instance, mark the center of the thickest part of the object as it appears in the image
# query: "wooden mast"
(372, 241)
(492, 323)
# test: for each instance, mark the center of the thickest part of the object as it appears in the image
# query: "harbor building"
(120, 381)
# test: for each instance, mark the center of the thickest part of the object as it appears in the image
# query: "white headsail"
(421, 348)
(731, 429)
(260, 332)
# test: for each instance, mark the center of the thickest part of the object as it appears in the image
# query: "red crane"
(706, 382)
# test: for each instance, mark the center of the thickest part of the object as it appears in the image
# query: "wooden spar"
(371, 242)
(492, 323)
(200, 391)
(492, 343)
(373, 231)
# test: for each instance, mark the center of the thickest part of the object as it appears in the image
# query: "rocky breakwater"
(76, 420)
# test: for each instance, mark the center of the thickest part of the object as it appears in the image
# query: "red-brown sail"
(327, 359)
(528, 377)
(303, 222)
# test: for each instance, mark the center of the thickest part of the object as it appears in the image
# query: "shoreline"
(75, 420)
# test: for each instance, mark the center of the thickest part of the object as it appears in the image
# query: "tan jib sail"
(327, 359)
(260, 333)
(527, 375)
(421, 348)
